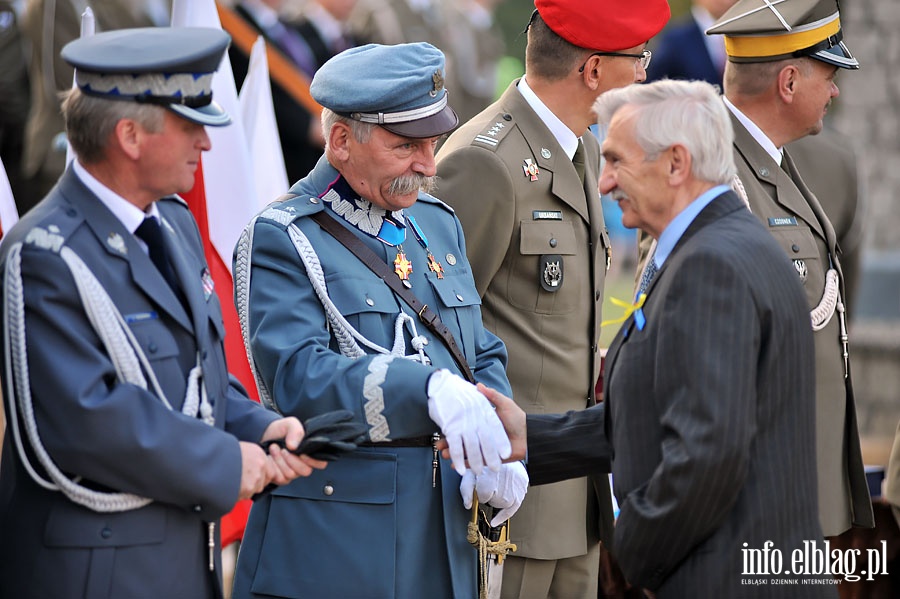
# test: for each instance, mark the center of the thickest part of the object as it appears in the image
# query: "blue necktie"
(151, 233)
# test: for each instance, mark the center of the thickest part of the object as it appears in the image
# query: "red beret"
(604, 25)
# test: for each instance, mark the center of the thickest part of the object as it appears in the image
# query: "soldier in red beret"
(522, 177)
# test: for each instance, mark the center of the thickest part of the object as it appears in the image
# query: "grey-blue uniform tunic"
(116, 435)
(371, 524)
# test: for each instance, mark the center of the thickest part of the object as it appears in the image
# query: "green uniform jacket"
(519, 226)
(790, 211)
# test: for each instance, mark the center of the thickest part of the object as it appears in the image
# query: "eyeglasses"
(644, 57)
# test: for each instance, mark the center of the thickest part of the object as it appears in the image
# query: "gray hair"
(91, 120)
(362, 132)
(669, 112)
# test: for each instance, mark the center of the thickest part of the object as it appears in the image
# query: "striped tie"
(647, 276)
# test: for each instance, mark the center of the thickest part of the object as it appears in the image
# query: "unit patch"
(551, 272)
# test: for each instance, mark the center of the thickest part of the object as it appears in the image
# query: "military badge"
(116, 242)
(435, 266)
(438, 80)
(402, 266)
(802, 271)
(551, 272)
(545, 153)
(531, 169)
(451, 259)
(208, 284)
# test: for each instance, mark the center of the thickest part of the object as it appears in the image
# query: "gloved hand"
(468, 422)
(505, 489)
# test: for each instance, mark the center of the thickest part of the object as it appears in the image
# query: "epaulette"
(52, 229)
(284, 212)
(491, 135)
(430, 199)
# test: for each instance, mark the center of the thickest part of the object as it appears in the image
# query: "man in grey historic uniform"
(325, 332)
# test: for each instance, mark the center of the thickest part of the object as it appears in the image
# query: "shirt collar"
(128, 214)
(673, 232)
(567, 140)
(761, 138)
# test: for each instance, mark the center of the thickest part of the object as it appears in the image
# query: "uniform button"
(106, 533)
(197, 509)
(553, 242)
(507, 117)
(370, 301)
(152, 348)
(70, 212)
(764, 172)
(204, 354)
(597, 296)
(796, 248)
(459, 297)
(313, 200)
(328, 490)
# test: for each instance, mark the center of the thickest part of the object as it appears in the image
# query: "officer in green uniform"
(779, 82)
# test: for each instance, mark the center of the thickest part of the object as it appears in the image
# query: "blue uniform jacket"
(371, 524)
(117, 436)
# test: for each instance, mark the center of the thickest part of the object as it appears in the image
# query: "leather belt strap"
(380, 268)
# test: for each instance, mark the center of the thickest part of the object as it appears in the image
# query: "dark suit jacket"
(116, 435)
(709, 416)
(681, 53)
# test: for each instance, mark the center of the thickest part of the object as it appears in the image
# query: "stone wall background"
(868, 111)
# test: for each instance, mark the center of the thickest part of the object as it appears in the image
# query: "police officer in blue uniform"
(325, 332)
(128, 439)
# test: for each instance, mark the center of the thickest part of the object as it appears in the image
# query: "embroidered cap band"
(172, 67)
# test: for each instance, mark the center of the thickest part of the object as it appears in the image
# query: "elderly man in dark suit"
(128, 439)
(708, 413)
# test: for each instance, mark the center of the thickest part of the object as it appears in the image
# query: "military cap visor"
(766, 31)
(172, 67)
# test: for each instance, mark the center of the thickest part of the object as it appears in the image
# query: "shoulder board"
(286, 211)
(430, 199)
(51, 230)
(494, 132)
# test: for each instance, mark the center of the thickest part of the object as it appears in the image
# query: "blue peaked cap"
(399, 87)
(171, 67)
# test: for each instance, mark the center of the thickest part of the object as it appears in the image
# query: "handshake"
(473, 432)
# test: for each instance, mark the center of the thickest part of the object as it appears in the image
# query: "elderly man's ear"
(339, 141)
(679, 164)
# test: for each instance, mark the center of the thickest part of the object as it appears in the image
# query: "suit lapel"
(548, 154)
(812, 201)
(187, 275)
(118, 242)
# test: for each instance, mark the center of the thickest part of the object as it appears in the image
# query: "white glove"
(505, 489)
(468, 421)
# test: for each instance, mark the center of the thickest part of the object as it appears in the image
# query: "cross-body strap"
(380, 268)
